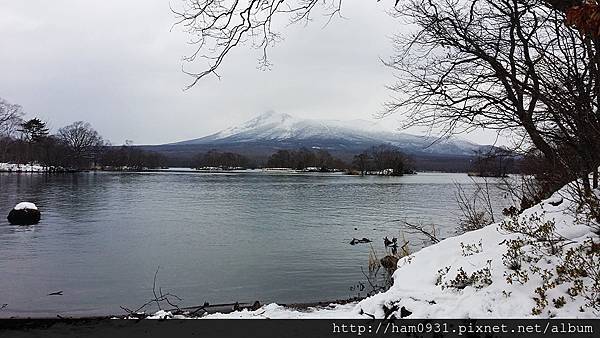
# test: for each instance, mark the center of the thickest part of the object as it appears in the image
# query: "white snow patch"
(25, 205)
(13, 167)
(162, 314)
(274, 311)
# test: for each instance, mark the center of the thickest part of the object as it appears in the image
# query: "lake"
(217, 237)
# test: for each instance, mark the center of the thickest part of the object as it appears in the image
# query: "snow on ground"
(421, 282)
(162, 314)
(12, 167)
(417, 275)
(274, 311)
(26, 205)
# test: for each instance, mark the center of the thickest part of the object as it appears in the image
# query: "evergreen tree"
(34, 130)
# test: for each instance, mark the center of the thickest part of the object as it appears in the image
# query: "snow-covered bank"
(424, 281)
(471, 275)
(274, 311)
(30, 168)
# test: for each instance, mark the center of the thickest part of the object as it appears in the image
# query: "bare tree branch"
(216, 27)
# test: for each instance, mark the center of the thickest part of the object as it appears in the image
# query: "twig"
(154, 288)
(419, 228)
(159, 297)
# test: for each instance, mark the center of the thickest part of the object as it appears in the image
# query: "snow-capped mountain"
(286, 130)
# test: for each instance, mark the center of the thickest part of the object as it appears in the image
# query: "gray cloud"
(117, 65)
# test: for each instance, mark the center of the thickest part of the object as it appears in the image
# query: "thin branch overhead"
(216, 27)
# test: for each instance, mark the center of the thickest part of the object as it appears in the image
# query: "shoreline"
(198, 311)
(200, 171)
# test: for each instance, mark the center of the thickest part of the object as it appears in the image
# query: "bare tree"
(504, 65)
(388, 160)
(11, 117)
(84, 142)
(362, 162)
(475, 206)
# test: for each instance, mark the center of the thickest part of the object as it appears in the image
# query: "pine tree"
(34, 130)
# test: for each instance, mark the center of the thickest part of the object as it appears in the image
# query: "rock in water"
(358, 241)
(24, 213)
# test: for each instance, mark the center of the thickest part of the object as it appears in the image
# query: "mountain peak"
(269, 118)
(279, 128)
(266, 121)
(272, 116)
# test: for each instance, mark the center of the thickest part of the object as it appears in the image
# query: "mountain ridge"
(286, 130)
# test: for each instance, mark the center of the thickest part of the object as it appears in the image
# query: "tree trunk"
(595, 178)
(587, 189)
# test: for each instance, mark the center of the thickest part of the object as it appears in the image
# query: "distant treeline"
(382, 160)
(496, 162)
(216, 159)
(378, 160)
(300, 159)
(131, 158)
(78, 146)
(74, 147)
(304, 158)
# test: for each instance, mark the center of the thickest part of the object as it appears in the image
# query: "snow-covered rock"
(25, 205)
(24, 213)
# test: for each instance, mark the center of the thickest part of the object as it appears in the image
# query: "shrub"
(478, 279)
(577, 270)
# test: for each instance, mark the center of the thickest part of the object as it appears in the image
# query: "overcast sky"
(117, 64)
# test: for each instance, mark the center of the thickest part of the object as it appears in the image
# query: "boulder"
(24, 213)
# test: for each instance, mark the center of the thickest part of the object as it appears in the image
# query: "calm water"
(216, 237)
